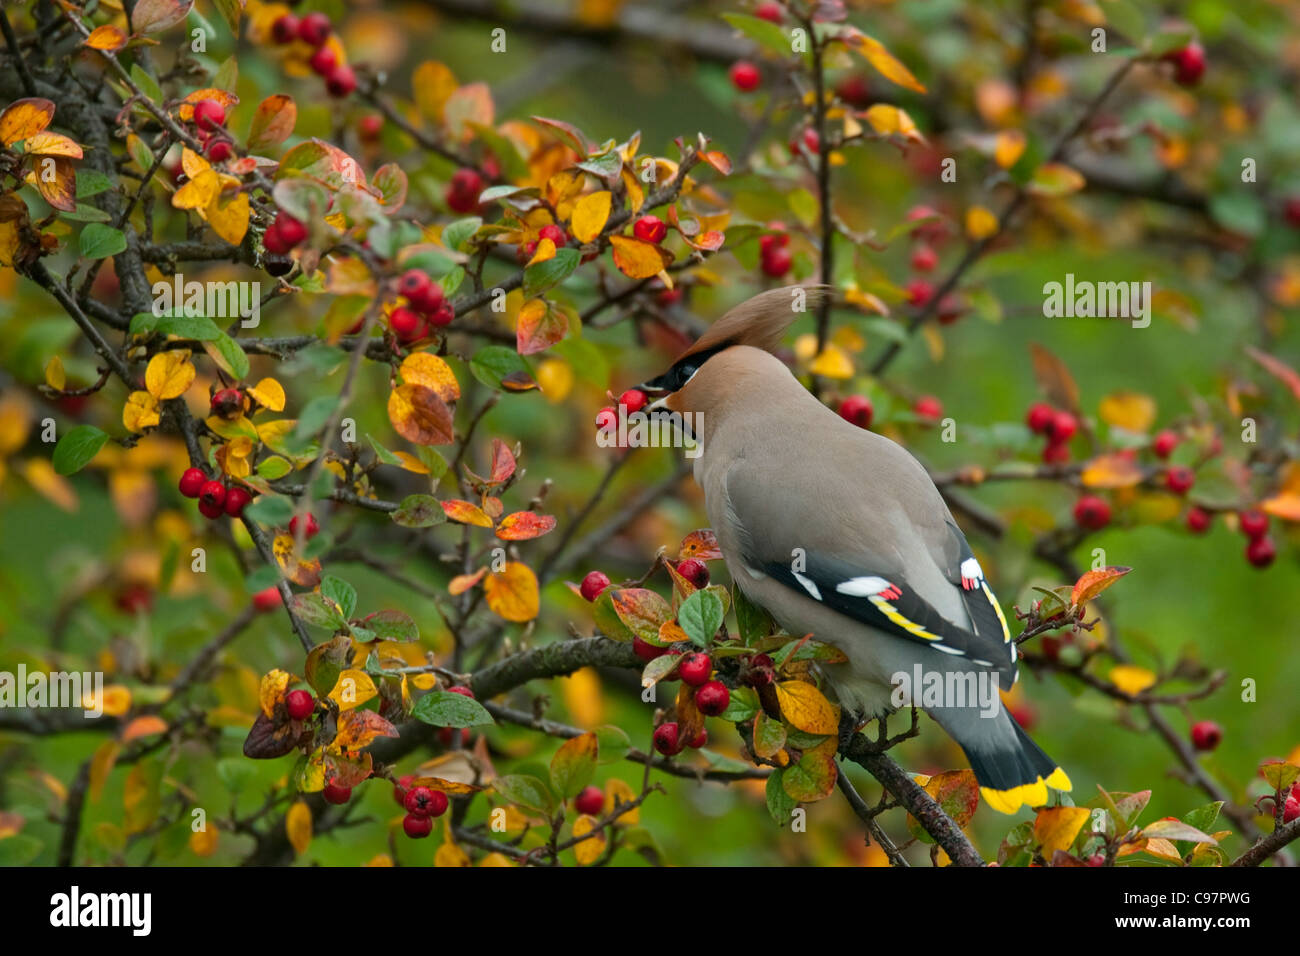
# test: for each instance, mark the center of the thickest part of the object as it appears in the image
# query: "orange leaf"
(357, 728)
(513, 593)
(1056, 827)
(1277, 368)
(539, 326)
(590, 213)
(1093, 583)
(52, 144)
(1054, 378)
(1111, 471)
(465, 512)
(420, 415)
(59, 190)
(806, 708)
(24, 118)
(637, 259)
(702, 544)
(422, 368)
(107, 37)
(463, 582)
(273, 121)
(143, 727)
(523, 525)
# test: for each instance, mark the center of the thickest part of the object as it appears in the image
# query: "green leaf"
(99, 241)
(226, 352)
(274, 468)
(743, 705)
(341, 593)
(1237, 212)
(1202, 818)
(75, 449)
(526, 791)
(754, 622)
(700, 616)
(419, 511)
(91, 182)
(270, 510)
(492, 363)
(544, 275)
(455, 234)
(316, 611)
(766, 34)
(19, 850)
(383, 454)
(391, 626)
(442, 708)
(198, 327)
(779, 803)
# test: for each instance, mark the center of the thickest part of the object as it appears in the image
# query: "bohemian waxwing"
(839, 532)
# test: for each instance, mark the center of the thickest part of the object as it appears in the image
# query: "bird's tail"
(1011, 769)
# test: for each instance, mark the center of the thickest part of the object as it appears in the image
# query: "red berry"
(645, 650)
(1260, 551)
(192, 482)
(406, 324)
(1056, 453)
(228, 403)
(929, 408)
(932, 232)
(1040, 417)
(854, 90)
(811, 142)
(924, 258)
(309, 531)
(219, 150)
(267, 599)
(400, 789)
(593, 584)
(274, 242)
(134, 598)
(695, 571)
(299, 704)
(1198, 520)
(1164, 443)
(776, 239)
(667, 739)
(1024, 715)
(1254, 523)
(333, 793)
(712, 698)
(285, 29)
(607, 417)
(1179, 479)
(1063, 427)
(919, 292)
(857, 410)
(1092, 513)
(463, 191)
(745, 76)
(590, 801)
(462, 690)
(314, 28)
(1290, 809)
(1206, 735)
(442, 316)
(776, 263)
(1097, 859)
(414, 285)
(438, 803)
(770, 10)
(699, 740)
(555, 233)
(236, 499)
(209, 115)
(633, 400)
(213, 493)
(340, 81)
(1291, 211)
(650, 229)
(425, 802)
(417, 828)
(1189, 64)
(951, 308)
(695, 669)
(323, 61)
(369, 127)
(291, 230)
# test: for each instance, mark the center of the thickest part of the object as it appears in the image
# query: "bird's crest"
(760, 321)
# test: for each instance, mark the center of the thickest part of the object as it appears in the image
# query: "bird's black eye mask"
(680, 373)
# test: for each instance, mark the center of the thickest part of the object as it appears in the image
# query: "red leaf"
(523, 525)
(1094, 582)
(503, 462)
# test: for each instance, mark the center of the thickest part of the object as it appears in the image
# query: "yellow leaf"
(169, 374)
(888, 120)
(40, 473)
(297, 826)
(229, 217)
(269, 394)
(1111, 471)
(115, 700)
(423, 368)
(881, 59)
(496, 859)
(1130, 679)
(54, 375)
(432, 82)
(590, 849)
(637, 259)
(450, 854)
(832, 363)
(353, 689)
(199, 192)
(621, 792)
(590, 213)
(583, 699)
(204, 842)
(512, 593)
(52, 144)
(806, 708)
(141, 411)
(1010, 146)
(980, 223)
(271, 690)
(555, 378)
(1056, 827)
(107, 37)
(1131, 411)
(24, 118)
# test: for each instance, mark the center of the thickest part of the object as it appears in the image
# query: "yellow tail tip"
(1028, 794)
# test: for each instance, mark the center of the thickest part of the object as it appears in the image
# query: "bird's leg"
(849, 724)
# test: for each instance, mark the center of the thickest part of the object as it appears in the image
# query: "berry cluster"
(426, 308)
(282, 236)
(315, 29)
(422, 804)
(210, 128)
(629, 403)
(1057, 426)
(214, 498)
(774, 252)
(526, 250)
(926, 238)
(1260, 550)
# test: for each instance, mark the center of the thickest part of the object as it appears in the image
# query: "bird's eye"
(684, 373)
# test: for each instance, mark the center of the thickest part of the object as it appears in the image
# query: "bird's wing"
(865, 574)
